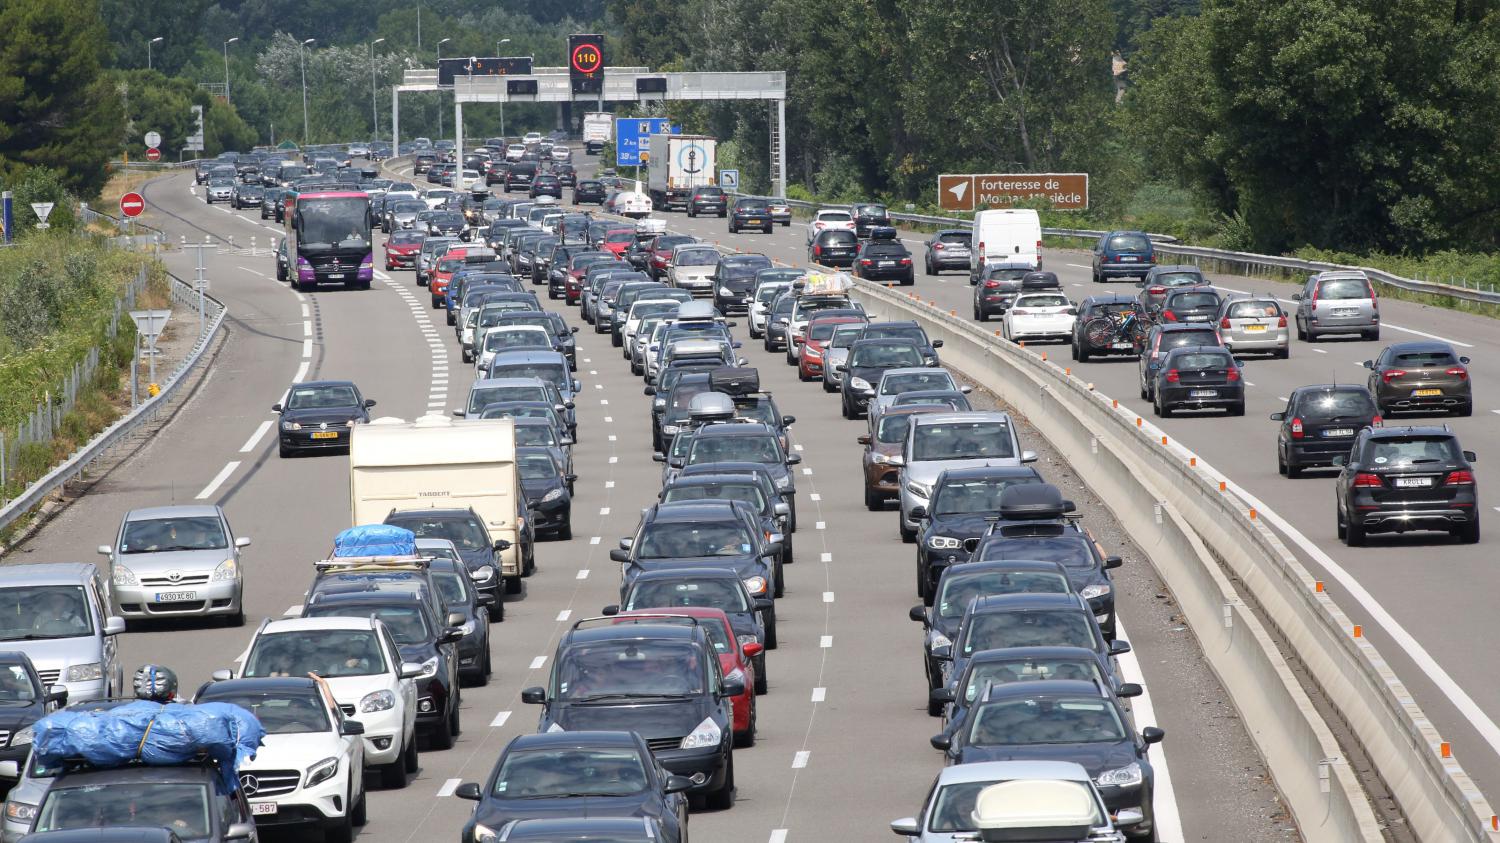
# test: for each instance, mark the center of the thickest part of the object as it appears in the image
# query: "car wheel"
(747, 737)
(1080, 353)
(934, 708)
(1469, 533)
(361, 808)
(780, 576)
(565, 532)
(766, 230)
(1339, 526)
(393, 775)
(284, 451)
(1465, 410)
(1145, 395)
(466, 356)
(1373, 336)
(1161, 408)
(342, 829)
(907, 536)
(723, 798)
(1237, 409)
(512, 585)
(1354, 534)
(828, 387)
(237, 619)
(1284, 354)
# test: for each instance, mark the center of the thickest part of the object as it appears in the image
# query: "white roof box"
(697, 311)
(1032, 811)
(651, 225)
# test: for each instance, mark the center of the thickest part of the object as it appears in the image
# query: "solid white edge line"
(214, 484)
(301, 373)
(255, 437)
(1168, 819)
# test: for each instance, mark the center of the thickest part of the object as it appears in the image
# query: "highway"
(843, 743)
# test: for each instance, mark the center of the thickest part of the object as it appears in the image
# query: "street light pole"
(374, 108)
(302, 54)
(440, 90)
(502, 105)
(157, 40)
(226, 68)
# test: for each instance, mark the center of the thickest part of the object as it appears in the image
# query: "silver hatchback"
(1254, 325)
(174, 561)
(1337, 302)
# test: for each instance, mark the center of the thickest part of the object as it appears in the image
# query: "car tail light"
(1377, 422)
(1169, 316)
(1458, 372)
(1039, 250)
(1297, 429)
(981, 247)
(1019, 311)
(1232, 375)
(938, 247)
(865, 261)
(991, 284)
(1172, 376)
(1368, 481)
(1462, 477)
(1392, 374)
(817, 250)
(906, 261)
(1156, 291)
(1281, 323)
(1224, 323)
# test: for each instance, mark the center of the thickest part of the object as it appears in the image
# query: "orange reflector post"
(1068, 371)
(1193, 461)
(1223, 487)
(1495, 822)
(952, 313)
(1253, 514)
(1359, 631)
(1318, 586)
(1114, 402)
(1022, 343)
(1446, 749)
(1137, 421)
(1164, 440)
(1044, 355)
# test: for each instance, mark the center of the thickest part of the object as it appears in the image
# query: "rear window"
(1203, 360)
(1253, 309)
(1344, 288)
(751, 204)
(1411, 450)
(708, 191)
(835, 216)
(838, 238)
(958, 238)
(1335, 403)
(1129, 243)
(1178, 339)
(1426, 358)
(1112, 307)
(1195, 300)
(886, 250)
(1177, 279)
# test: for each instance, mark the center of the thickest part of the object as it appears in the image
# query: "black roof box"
(1033, 501)
(735, 380)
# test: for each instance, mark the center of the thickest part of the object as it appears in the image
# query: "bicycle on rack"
(1111, 331)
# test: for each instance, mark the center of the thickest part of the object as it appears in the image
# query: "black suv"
(907, 329)
(750, 213)
(833, 247)
(589, 191)
(964, 502)
(1160, 341)
(466, 530)
(1396, 479)
(519, 175)
(747, 442)
(869, 216)
(744, 487)
(707, 200)
(1036, 523)
(663, 679)
(1320, 423)
(546, 184)
(734, 280)
(885, 260)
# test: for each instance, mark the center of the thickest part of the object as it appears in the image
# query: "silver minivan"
(1337, 302)
(174, 561)
(57, 613)
(937, 442)
(1256, 324)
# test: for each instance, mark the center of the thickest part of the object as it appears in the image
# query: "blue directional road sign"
(631, 137)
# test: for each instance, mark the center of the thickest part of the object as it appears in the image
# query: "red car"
(402, 248)
(810, 350)
(442, 273)
(732, 660)
(616, 240)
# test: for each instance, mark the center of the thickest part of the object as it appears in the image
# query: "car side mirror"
(1152, 734)
(275, 408)
(678, 784)
(941, 743)
(565, 441)
(534, 696)
(239, 831)
(793, 459)
(1072, 311)
(369, 402)
(57, 694)
(764, 604)
(781, 508)
(222, 675)
(740, 361)
(469, 791)
(1278, 416)
(918, 614)
(1340, 460)
(658, 457)
(1119, 647)
(940, 695)
(410, 670)
(1128, 690)
(753, 649)
(573, 329)
(350, 728)
(621, 556)
(502, 545)
(571, 478)
(650, 390)
(1296, 297)
(105, 550)
(1471, 456)
(1128, 817)
(114, 625)
(863, 439)
(736, 345)
(937, 343)
(732, 687)
(840, 367)
(675, 463)
(1368, 364)
(1112, 562)
(966, 389)
(611, 610)
(242, 541)
(906, 827)
(788, 421)
(918, 513)
(1028, 456)
(453, 619)
(458, 414)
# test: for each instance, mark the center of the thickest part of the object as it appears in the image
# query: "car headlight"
(1097, 590)
(555, 494)
(83, 672)
(322, 771)
(377, 701)
(23, 737)
(483, 833)
(705, 734)
(859, 383)
(429, 668)
(920, 490)
(880, 459)
(660, 402)
(123, 576)
(784, 482)
(944, 543)
(1126, 776)
(291, 425)
(755, 585)
(484, 573)
(725, 291)
(939, 640)
(20, 811)
(670, 429)
(227, 570)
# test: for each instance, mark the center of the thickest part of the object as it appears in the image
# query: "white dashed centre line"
(307, 347)
(214, 484)
(815, 496)
(537, 662)
(820, 525)
(301, 373)
(564, 615)
(603, 510)
(827, 557)
(500, 720)
(819, 694)
(448, 787)
(609, 484)
(800, 759)
(827, 597)
(583, 574)
(825, 641)
(255, 437)
(778, 835)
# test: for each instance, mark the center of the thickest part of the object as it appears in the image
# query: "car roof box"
(1033, 501)
(697, 311)
(1035, 811)
(735, 380)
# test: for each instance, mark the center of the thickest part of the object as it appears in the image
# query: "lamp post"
(157, 40)
(502, 105)
(374, 108)
(302, 54)
(440, 91)
(226, 68)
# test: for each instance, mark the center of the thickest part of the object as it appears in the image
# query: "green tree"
(57, 107)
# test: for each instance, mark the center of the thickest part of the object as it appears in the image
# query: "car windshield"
(883, 355)
(973, 496)
(1336, 404)
(629, 668)
(554, 373)
(914, 381)
(16, 685)
(321, 397)
(407, 623)
(1344, 288)
(159, 535)
(535, 466)
(482, 396)
(1194, 300)
(654, 308)
(684, 540)
(281, 713)
(1129, 243)
(763, 449)
(767, 293)
(1411, 450)
(747, 492)
(463, 532)
(1201, 360)
(1178, 339)
(570, 772)
(911, 333)
(822, 330)
(1039, 628)
(960, 590)
(845, 335)
(326, 652)
(1030, 670)
(1046, 720)
(44, 611)
(722, 594)
(536, 434)
(181, 808)
(953, 809)
(452, 587)
(697, 257)
(1253, 310)
(962, 441)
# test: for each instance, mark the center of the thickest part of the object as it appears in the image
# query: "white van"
(1006, 235)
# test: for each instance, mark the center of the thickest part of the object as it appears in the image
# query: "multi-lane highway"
(843, 732)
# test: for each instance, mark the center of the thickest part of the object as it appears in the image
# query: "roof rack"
(653, 617)
(374, 563)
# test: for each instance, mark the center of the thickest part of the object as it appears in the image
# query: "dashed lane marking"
(301, 373)
(255, 437)
(819, 694)
(499, 720)
(799, 760)
(583, 574)
(448, 787)
(537, 662)
(214, 484)
(564, 615)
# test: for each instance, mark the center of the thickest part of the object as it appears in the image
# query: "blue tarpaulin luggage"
(375, 540)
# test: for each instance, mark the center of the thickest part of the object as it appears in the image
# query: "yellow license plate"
(1425, 393)
(326, 434)
(1254, 328)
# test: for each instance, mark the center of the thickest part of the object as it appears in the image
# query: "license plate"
(1426, 393)
(263, 809)
(326, 434)
(1203, 393)
(1128, 259)
(175, 596)
(1345, 311)
(1197, 319)
(1338, 431)
(887, 263)
(1413, 482)
(336, 275)
(1255, 329)
(1121, 345)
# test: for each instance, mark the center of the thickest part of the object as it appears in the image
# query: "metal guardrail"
(147, 411)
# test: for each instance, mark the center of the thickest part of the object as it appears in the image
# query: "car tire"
(393, 775)
(1339, 526)
(828, 387)
(769, 619)
(565, 532)
(1465, 410)
(361, 808)
(1080, 353)
(1160, 408)
(1284, 353)
(1237, 409)
(512, 585)
(723, 798)
(907, 536)
(340, 830)
(1468, 533)
(1373, 336)
(1354, 534)
(747, 737)
(934, 708)
(466, 356)
(237, 619)
(766, 230)
(874, 501)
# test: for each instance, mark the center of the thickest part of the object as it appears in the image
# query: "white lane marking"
(306, 328)
(299, 296)
(613, 438)
(1168, 821)
(255, 437)
(1283, 398)
(1247, 383)
(815, 496)
(583, 574)
(603, 510)
(608, 419)
(820, 525)
(593, 372)
(1320, 351)
(819, 694)
(613, 460)
(594, 539)
(499, 720)
(800, 759)
(798, 446)
(806, 471)
(301, 373)
(448, 787)
(604, 401)
(537, 662)
(214, 484)
(778, 835)
(609, 484)
(564, 615)
(1081, 266)
(827, 597)
(827, 557)
(307, 347)
(825, 641)
(292, 611)
(304, 311)
(1427, 335)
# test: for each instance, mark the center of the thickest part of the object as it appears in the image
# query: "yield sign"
(956, 192)
(42, 210)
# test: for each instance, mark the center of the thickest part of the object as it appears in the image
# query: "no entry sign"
(132, 204)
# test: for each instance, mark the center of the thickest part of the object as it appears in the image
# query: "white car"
(514, 151)
(508, 338)
(692, 268)
(632, 203)
(828, 220)
(469, 179)
(309, 769)
(1039, 316)
(640, 309)
(359, 660)
(562, 153)
(531, 138)
(438, 197)
(760, 308)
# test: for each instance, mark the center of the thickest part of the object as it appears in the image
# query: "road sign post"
(132, 204)
(148, 324)
(973, 191)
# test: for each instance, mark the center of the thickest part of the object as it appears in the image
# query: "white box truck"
(437, 462)
(678, 164)
(1005, 235)
(598, 128)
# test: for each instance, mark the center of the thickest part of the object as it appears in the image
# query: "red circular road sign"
(587, 58)
(153, 154)
(132, 204)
